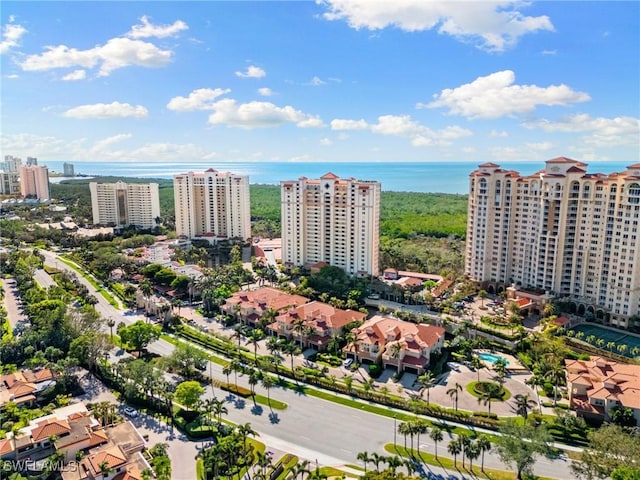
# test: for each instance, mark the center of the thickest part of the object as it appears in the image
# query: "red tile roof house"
(250, 305)
(321, 319)
(597, 385)
(24, 386)
(376, 338)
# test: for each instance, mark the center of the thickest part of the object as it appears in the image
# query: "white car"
(131, 412)
(347, 363)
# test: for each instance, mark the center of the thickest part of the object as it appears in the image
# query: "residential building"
(24, 386)
(34, 182)
(32, 162)
(125, 204)
(405, 346)
(313, 324)
(9, 182)
(12, 164)
(68, 170)
(250, 306)
(212, 205)
(331, 220)
(561, 230)
(73, 429)
(598, 385)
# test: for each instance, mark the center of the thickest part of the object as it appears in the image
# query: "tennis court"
(609, 335)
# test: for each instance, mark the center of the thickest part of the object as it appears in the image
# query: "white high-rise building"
(212, 205)
(34, 182)
(32, 162)
(9, 183)
(12, 164)
(331, 220)
(561, 230)
(125, 204)
(68, 169)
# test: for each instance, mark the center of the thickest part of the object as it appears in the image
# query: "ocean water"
(440, 177)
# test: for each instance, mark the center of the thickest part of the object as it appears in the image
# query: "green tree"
(139, 335)
(437, 436)
(188, 394)
(519, 445)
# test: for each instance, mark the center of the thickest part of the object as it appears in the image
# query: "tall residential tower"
(212, 205)
(331, 220)
(561, 230)
(125, 204)
(34, 182)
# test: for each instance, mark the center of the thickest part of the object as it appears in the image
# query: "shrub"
(375, 370)
(238, 390)
(493, 416)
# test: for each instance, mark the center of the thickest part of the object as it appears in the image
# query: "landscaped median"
(454, 465)
(107, 296)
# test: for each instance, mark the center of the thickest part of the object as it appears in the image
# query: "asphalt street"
(310, 425)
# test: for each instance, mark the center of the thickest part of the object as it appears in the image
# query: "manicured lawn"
(449, 464)
(471, 388)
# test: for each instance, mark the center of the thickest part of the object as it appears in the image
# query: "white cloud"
(147, 29)
(498, 134)
(116, 53)
(75, 75)
(259, 114)
(12, 76)
(110, 110)
(404, 126)
(11, 34)
(343, 124)
(495, 96)
(200, 99)
(604, 132)
(326, 141)
(494, 25)
(252, 72)
(549, 52)
(102, 145)
(265, 92)
(316, 82)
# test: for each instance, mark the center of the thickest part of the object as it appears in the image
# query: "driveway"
(12, 302)
(181, 450)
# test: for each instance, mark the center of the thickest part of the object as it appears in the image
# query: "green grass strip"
(101, 290)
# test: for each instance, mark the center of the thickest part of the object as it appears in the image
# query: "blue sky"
(328, 81)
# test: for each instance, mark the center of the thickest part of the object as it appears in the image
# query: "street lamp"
(395, 431)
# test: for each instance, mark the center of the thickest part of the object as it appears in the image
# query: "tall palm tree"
(254, 337)
(394, 351)
(244, 430)
(464, 440)
(485, 399)
(427, 382)
(524, 404)
(437, 436)
(364, 458)
(393, 463)
(454, 449)
(404, 429)
(267, 383)
(219, 409)
(376, 459)
(555, 374)
(484, 445)
(453, 393)
(299, 469)
(534, 382)
(298, 328)
(111, 323)
(472, 450)
(420, 427)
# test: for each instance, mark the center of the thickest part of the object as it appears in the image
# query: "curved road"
(310, 427)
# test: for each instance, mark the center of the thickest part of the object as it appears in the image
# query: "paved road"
(43, 278)
(335, 433)
(11, 302)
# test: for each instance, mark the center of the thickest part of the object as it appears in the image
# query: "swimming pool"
(491, 358)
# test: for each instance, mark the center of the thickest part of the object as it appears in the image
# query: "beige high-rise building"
(9, 183)
(331, 220)
(561, 230)
(12, 164)
(212, 205)
(125, 204)
(34, 182)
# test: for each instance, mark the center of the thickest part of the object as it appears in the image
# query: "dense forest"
(418, 231)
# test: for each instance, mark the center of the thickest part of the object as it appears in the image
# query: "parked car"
(131, 412)
(348, 362)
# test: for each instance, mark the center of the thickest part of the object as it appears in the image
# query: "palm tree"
(394, 351)
(235, 366)
(464, 440)
(556, 375)
(482, 294)
(600, 343)
(290, 349)
(244, 430)
(472, 450)
(420, 427)
(219, 409)
(254, 337)
(454, 449)
(485, 399)
(146, 289)
(437, 436)
(364, 458)
(524, 404)
(226, 370)
(376, 459)
(484, 445)
(404, 429)
(477, 364)
(500, 367)
(591, 339)
(348, 382)
(111, 323)
(534, 382)
(393, 463)
(622, 348)
(427, 382)
(254, 378)
(611, 346)
(453, 393)
(267, 383)
(298, 328)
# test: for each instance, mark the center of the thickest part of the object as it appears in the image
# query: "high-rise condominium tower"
(34, 182)
(212, 205)
(561, 230)
(331, 220)
(125, 204)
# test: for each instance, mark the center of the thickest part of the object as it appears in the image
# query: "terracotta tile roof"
(329, 176)
(320, 316)
(489, 165)
(606, 379)
(131, 474)
(563, 160)
(264, 298)
(50, 427)
(384, 331)
(113, 457)
(561, 321)
(6, 446)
